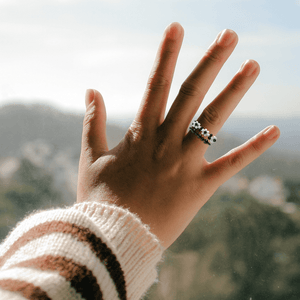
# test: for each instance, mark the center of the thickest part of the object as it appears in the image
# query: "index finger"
(152, 109)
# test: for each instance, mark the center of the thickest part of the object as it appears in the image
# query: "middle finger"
(197, 84)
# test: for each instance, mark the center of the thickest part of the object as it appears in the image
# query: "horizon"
(242, 127)
(126, 116)
(130, 116)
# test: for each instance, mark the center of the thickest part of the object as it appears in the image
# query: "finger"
(94, 142)
(197, 84)
(152, 109)
(235, 160)
(217, 112)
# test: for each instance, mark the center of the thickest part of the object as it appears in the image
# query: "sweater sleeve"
(88, 251)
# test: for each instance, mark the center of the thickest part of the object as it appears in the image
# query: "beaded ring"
(202, 132)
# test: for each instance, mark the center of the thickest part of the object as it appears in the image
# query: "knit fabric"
(89, 251)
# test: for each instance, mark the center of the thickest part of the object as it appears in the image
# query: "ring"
(202, 132)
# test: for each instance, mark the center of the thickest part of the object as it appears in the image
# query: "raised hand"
(158, 170)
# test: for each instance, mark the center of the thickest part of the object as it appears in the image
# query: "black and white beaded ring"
(202, 132)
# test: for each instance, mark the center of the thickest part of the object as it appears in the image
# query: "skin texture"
(158, 170)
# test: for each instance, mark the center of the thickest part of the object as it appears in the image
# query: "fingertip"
(249, 67)
(227, 37)
(174, 31)
(272, 132)
(256, 64)
(89, 97)
(94, 142)
(255, 67)
(97, 95)
(93, 95)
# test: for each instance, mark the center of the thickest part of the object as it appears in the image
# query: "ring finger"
(217, 112)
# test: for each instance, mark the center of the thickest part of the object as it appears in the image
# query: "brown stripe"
(80, 278)
(27, 290)
(82, 234)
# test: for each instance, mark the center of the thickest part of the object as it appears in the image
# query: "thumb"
(94, 142)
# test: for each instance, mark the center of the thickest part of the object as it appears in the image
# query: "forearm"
(86, 251)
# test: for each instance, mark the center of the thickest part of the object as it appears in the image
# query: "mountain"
(20, 124)
(290, 131)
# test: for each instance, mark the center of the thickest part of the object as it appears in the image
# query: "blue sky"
(53, 50)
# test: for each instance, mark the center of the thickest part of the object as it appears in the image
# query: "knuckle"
(214, 55)
(237, 85)
(236, 160)
(153, 150)
(211, 115)
(135, 133)
(190, 89)
(90, 116)
(168, 52)
(159, 152)
(166, 159)
(161, 146)
(158, 83)
(256, 146)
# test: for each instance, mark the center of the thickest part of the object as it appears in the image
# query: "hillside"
(20, 124)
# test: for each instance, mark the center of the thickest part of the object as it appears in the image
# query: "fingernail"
(89, 97)
(271, 132)
(248, 67)
(226, 37)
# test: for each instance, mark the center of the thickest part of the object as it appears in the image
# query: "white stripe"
(7, 295)
(72, 216)
(67, 246)
(56, 286)
(31, 222)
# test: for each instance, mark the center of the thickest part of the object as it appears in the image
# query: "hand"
(158, 170)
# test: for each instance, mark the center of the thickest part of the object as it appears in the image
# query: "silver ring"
(202, 133)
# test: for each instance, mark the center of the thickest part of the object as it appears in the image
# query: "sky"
(51, 51)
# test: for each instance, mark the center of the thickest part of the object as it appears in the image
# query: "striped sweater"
(88, 251)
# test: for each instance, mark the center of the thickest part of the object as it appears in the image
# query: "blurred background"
(245, 242)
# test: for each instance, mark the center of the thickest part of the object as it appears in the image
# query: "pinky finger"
(235, 160)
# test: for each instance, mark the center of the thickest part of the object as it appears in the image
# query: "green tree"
(31, 188)
(235, 248)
